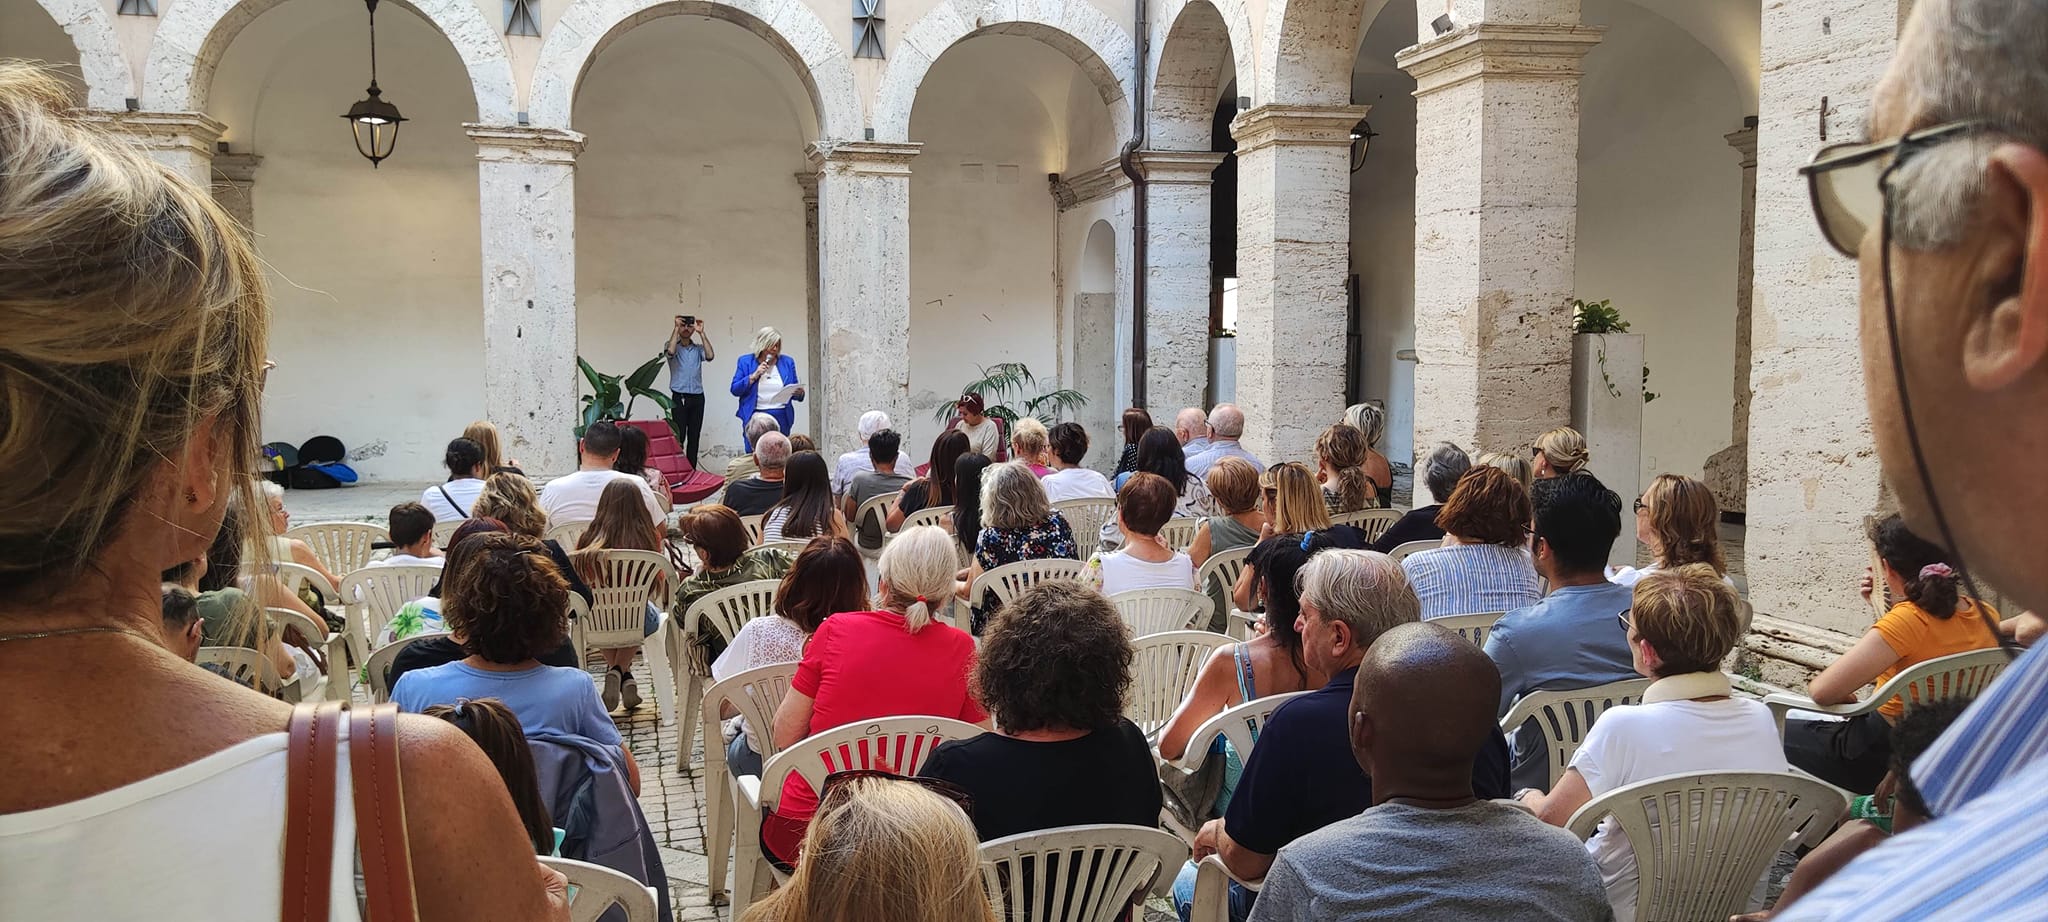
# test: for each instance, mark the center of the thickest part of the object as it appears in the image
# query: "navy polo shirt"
(1302, 775)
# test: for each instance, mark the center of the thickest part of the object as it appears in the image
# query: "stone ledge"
(1787, 653)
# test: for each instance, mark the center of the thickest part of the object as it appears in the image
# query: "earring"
(191, 496)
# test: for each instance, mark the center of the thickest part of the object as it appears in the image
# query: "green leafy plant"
(612, 396)
(1004, 389)
(1596, 317)
(1648, 395)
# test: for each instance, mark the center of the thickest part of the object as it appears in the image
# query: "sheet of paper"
(782, 396)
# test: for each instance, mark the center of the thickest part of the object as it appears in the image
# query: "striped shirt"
(1469, 579)
(1987, 782)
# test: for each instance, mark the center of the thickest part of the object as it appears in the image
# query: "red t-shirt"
(862, 665)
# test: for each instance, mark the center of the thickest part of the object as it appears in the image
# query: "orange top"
(1917, 637)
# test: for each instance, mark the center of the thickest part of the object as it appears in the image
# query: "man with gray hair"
(1440, 469)
(754, 495)
(742, 465)
(1947, 212)
(1303, 775)
(856, 461)
(1191, 427)
(1225, 425)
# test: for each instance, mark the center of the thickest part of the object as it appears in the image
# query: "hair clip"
(1936, 569)
(1307, 538)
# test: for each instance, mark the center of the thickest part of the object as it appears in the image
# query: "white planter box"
(1222, 370)
(1607, 406)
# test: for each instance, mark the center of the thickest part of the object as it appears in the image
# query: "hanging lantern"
(374, 121)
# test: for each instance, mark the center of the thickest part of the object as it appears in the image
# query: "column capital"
(885, 158)
(1295, 125)
(510, 143)
(1178, 166)
(1087, 185)
(188, 132)
(239, 168)
(1744, 142)
(1508, 50)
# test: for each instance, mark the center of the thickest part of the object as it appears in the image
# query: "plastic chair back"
(1090, 873)
(1958, 674)
(1164, 668)
(792, 546)
(344, 547)
(1402, 552)
(1240, 725)
(378, 669)
(729, 609)
(1473, 627)
(753, 526)
(1011, 579)
(1224, 567)
(1374, 522)
(755, 693)
(877, 508)
(248, 668)
(443, 531)
(1565, 717)
(626, 582)
(1179, 532)
(895, 744)
(929, 515)
(1153, 611)
(566, 533)
(1086, 517)
(597, 889)
(381, 591)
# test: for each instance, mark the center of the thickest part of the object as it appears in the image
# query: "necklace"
(69, 631)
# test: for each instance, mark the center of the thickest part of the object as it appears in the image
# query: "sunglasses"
(1847, 181)
(1640, 505)
(952, 792)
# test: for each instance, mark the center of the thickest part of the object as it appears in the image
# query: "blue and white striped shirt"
(1987, 782)
(1469, 579)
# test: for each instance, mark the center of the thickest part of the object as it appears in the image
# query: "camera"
(687, 320)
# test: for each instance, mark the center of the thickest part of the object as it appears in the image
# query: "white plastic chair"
(1179, 532)
(929, 515)
(378, 669)
(566, 533)
(792, 546)
(1374, 522)
(726, 610)
(297, 576)
(1565, 717)
(374, 594)
(1239, 724)
(1702, 841)
(1472, 627)
(755, 693)
(753, 525)
(443, 531)
(597, 888)
(1011, 579)
(1152, 611)
(344, 547)
(897, 744)
(1089, 873)
(1226, 566)
(877, 508)
(1164, 667)
(1401, 552)
(1212, 890)
(1086, 517)
(249, 669)
(626, 582)
(1958, 674)
(332, 646)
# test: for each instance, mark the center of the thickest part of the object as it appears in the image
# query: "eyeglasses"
(1640, 505)
(1628, 624)
(952, 792)
(1847, 181)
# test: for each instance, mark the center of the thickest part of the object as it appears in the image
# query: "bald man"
(1191, 427)
(1225, 426)
(1421, 710)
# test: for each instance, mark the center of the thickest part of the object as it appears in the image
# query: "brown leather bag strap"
(310, 752)
(380, 813)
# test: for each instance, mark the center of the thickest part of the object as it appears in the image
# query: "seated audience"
(743, 464)
(1421, 712)
(827, 577)
(633, 448)
(860, 460)
(1303, 775)
(411, 527)
(935, 487)
(1484, 564)
(1683, 623)
(801, 442)
(184, 630)
(1030, 444)
(965, 519)
(1371, 420)
(1340, 468)
(495, 730)
(573, 497)
(1134, 424)
(757, 494)
(620, 526)
(725, 557)
(1069, 480)
(882, 850)
(485, 435)
(984, 435)
(511, 500)
(289, 550)
(1516, 465)
(453, 501)
(1191, 431)
(1440, 469)
(1146, 561)
(1160, 453)
(880, 478)
(1016, 525)
(1295, 510)
(806, 509)
(1053, 670)
(868, 664)
(1234, 486)
(1679, 522)
(1570, 638)
(1559, 453)
(1225, 426)
(508, 607)
(424, 616)
(1932, 620)
(229, 615)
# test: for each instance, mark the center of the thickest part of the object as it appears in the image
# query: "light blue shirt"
(1195, 446)
(546, 699)
(1199, 465)
(1570, 639)
(686, 369)
(1470, 579)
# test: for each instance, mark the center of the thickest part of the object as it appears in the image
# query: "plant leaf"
(643, 376)
(589, 374)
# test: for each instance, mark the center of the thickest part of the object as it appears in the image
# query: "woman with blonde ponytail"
(861, 665)
(1340, 462)
(1559, 453)
(130, 384)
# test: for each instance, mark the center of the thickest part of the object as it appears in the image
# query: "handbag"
(312, 753)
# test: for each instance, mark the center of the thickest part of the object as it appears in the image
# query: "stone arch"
(194, 34)
(1187, 72)
(109, 82)
(793, 29)
(1103, 50)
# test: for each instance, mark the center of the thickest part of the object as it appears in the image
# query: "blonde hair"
(1297, 500)
(135, 311)
(1369, 419)
(883, 850)
(485, 436)
(1689, 615)
(1514, 463)
(1011, 497)
(1565, 449)
(1342, 448)
(765, 337)
(1686, 521)
(510, 499)
(917, 572)
(1028, 440)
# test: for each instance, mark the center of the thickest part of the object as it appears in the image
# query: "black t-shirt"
(1417, 525)
(1020, 786)
(752, 495)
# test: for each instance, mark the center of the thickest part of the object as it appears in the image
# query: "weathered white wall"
(695, 140)
(1659, 216)
(1383, 226)
(377, 318)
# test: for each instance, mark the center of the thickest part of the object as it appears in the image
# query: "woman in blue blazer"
(758, 377)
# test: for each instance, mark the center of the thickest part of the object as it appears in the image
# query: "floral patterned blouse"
(995, 547)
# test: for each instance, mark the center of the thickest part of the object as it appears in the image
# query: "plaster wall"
(27, 32)
(1383, 228)
(1095, 323)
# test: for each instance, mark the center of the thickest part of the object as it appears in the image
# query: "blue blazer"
(745, 389)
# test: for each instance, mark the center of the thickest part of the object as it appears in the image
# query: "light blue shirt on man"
(686, 369)
(1219, 449)
(1570, 639)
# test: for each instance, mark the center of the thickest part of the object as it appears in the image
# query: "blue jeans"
(1184, 896)
(741, 759)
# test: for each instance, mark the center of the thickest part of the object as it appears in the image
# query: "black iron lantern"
(374, 121)
(1361, 143)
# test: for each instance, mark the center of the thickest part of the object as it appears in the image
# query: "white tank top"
(201, 841)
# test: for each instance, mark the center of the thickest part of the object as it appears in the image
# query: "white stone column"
(234, 186)
(808, 183)
(1496, 213)
(1813, 474)
(1178, 277)
(1293, 255)
(863, 283)
(182, 141)
(1727, 472)
(527, 185)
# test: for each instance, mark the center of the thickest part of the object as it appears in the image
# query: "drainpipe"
(1140, 220)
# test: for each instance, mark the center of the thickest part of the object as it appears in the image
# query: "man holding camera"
(689, 347)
